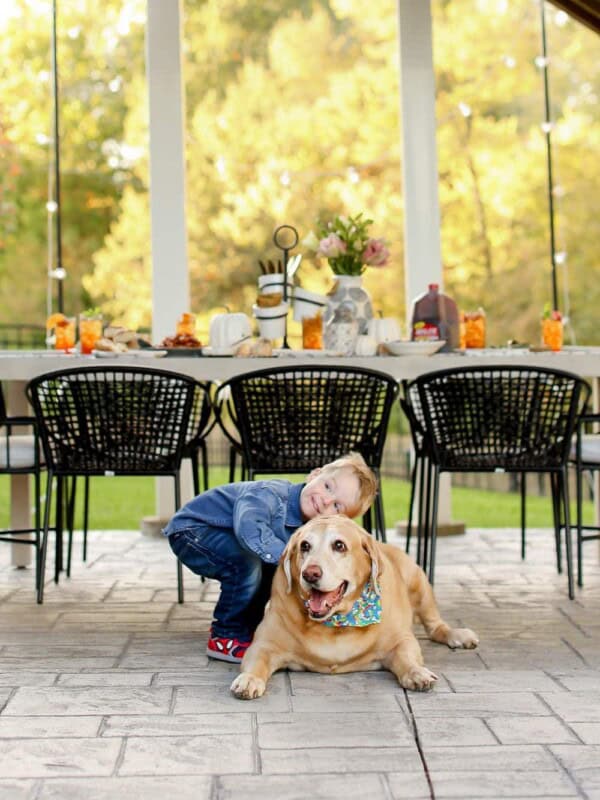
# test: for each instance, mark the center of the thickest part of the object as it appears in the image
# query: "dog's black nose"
(312, 573)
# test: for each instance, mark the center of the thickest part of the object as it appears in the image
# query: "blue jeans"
(245, 579)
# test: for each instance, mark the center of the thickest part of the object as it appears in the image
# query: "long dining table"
(18, 367)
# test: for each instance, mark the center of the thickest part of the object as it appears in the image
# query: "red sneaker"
(226, 649)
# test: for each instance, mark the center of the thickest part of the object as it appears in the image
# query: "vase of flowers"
(349, 250)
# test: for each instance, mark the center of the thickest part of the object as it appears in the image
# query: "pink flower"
(375, 254)
(331, 246)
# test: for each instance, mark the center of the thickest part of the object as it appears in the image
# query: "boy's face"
(327, 492)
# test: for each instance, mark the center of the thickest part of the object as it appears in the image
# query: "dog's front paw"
(419, 679)
(462, 637)
(247, 686)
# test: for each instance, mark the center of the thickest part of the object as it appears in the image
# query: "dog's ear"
(286, 557)
(370, 546)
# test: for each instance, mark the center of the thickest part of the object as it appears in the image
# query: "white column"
(170, 279)
(422, 246)
(422, 230)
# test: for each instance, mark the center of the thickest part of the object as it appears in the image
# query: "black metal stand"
(285, 238)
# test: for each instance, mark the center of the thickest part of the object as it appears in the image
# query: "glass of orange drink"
(64, 334)
(312, 332)
(475, 329)
(552, 331)
(90, 330)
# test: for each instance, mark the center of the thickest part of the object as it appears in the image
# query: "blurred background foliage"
(293, 114)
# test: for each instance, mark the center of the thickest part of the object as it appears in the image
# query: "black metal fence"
(22, 337)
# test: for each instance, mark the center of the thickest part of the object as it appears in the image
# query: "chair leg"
(523, 512)
(38, 523)
(44, 547)
(232, 459)
(179, 567)
(195, 476)
(86, 514)
(564, 493)
(367, 521)
(558, 521)
(380, 517)
(427, 517)
(433, 528)
(58, 545)
(71, 496)
(579, 491)
(204, 452)
(411, 504)
(421, 508)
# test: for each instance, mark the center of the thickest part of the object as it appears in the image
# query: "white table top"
(18, 365)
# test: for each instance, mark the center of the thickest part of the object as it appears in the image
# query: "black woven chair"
(501, 419)
(110, 421)
(421, 477)
(202, 422)
(293, 419)
(20, 454)
(585, 458)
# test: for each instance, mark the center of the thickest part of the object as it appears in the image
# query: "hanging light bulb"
(285, 178)
(52, 206)
(541, 62)
(547, 126)
(465, 109)
(353, 175)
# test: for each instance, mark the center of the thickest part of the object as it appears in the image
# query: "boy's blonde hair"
(367, 482)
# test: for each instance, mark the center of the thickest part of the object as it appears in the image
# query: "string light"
(285, 178)
(353, 175)
(465, 109)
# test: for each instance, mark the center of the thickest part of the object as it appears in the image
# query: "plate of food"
(146, 352)
(416, 348)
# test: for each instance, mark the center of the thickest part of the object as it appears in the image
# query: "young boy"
(236, 534)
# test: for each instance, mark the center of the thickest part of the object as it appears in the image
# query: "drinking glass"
(552, 334)
(64, 334)
(90, 330)
(474, 329)
(312, 332)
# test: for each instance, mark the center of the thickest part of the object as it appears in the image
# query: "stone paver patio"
(106, 691)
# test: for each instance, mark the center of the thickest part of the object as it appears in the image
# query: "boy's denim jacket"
(262, 514)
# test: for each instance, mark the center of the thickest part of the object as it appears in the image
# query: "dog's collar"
(365, 611)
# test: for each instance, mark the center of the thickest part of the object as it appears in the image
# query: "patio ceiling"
(586, 11)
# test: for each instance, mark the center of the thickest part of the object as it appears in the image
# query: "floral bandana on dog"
(365, 611)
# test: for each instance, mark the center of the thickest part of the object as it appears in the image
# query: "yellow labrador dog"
(343, 602)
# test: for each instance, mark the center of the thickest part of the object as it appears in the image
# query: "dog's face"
(330, 559)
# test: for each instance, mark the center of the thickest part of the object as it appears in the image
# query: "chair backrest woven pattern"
(500, 418)
(121, 420)
(294, 419)
(201, 417)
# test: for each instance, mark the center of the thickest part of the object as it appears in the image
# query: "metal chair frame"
(110, 420)
(10, 441)
(584, 462)
(500, 419)
(289, 420)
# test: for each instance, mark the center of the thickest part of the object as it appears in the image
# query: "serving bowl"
(417, 348)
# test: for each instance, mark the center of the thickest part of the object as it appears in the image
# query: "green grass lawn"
(120, 503)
